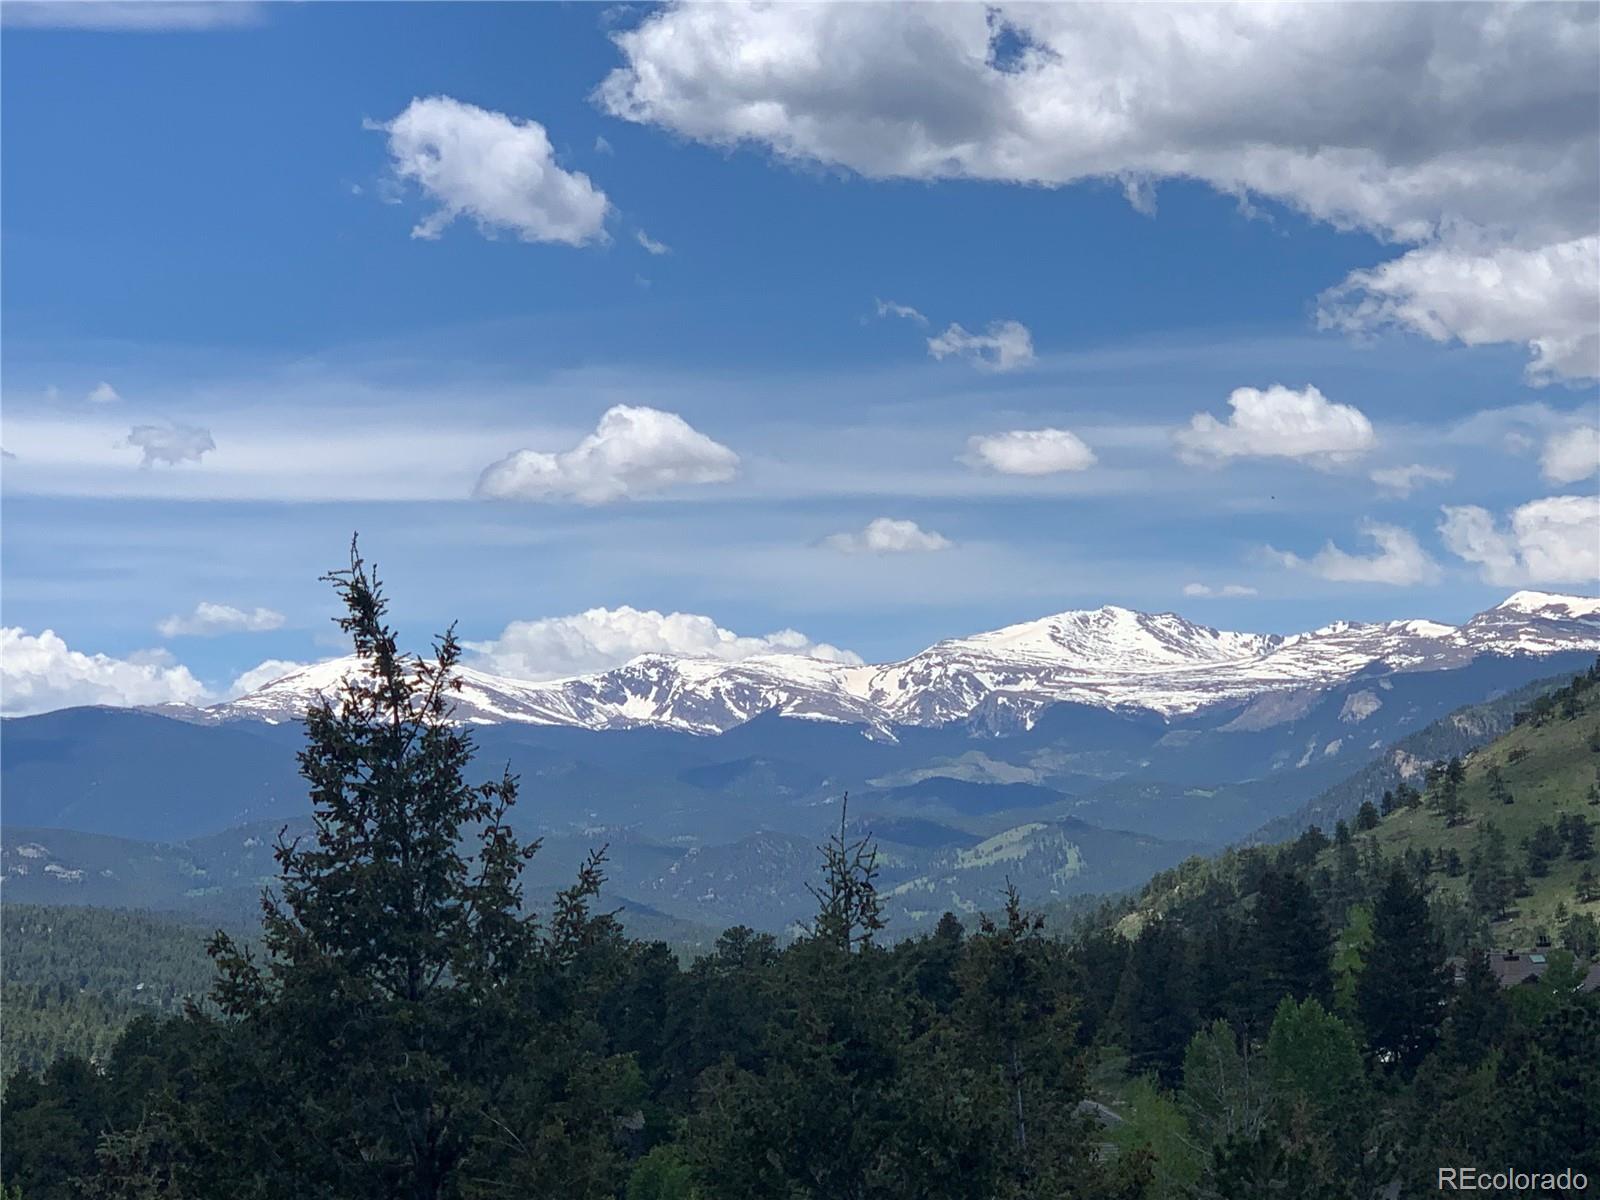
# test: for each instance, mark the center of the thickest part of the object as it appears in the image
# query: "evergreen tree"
(1478, 1014)
(1542, 848)
(1155, 1005)
(1287, 949)
(1016, 1017)
(1579, 834)
(849, 913)
(1489, 880)
(1350, 957)
(370, 1053)
(1498, 791)
(1367, 816)
(1588, 886)
(1401, 992)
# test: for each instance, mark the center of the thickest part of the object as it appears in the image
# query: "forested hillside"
(75, 977)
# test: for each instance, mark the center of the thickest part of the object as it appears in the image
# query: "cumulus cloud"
(1571, 454)
(1554, 540)
(602, 638)
(103, 393)
(41, 673)
(1005, 347)
(888, 308)
(650, 244)
(1402, 481)
(496, 169)
(210, 620)
(1409, 121)
(885, 535)
(1400, 560)
(1391, 119)
(1278, 423)
(170, 444)
(1545, 297)
(634, 451)
(131, 16)
(1226, 589)
(1031, 452)
(262, 674)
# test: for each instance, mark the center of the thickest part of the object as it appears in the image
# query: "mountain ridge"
(1110, 657)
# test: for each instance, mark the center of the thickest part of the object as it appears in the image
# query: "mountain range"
(1073, 755)
(997, 682)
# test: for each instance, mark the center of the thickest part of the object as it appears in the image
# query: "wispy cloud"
(132, 16)
(212, 620)
(1400, 560)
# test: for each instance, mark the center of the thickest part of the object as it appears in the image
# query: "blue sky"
(225, 348)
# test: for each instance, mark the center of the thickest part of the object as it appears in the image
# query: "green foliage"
(1156, 1125)
(1350, 957)
(1225, 1092)
(1313, 1057)
(662, 1174)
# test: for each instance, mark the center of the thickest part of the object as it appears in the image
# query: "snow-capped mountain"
(1108, 657)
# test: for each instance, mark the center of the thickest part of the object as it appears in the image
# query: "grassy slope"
(1551, 778)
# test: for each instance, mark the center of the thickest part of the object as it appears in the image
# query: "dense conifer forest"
(1280, 1022)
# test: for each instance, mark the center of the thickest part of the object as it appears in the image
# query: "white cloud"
(131, 16)
(601, 146)
(1227, 589)
(1031, 452)
(650, 244)
(1402, 481)
(103, 393)
(38, 674)
(1005, 347)
(602, 638)
(888, 308)
(1554, 540)
(1400, 561)
(170, 444)
(1278, 423)
(494, 168)
(209, 620)
(262, 674)
(634, 451)
(1571, 455)
(885, 535)
(1546, 297)
(1392, 119)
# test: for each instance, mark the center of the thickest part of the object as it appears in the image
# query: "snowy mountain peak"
(1000, 680)
(1550, 604)
(1119, 638)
